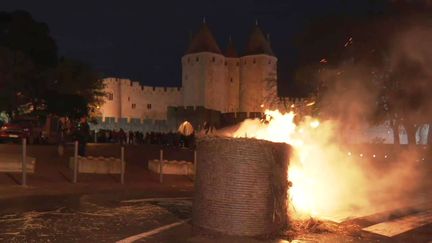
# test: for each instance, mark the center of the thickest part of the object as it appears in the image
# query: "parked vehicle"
(17, 129)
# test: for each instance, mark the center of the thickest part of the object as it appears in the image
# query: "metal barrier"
(24, 162)
(161, 166)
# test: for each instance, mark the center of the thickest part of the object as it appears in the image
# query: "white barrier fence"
(90, 165)
(97, 165)
(173, 167)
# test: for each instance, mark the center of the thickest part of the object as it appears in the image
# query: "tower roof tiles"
(231, 50)
(203, 41)
(257, 43)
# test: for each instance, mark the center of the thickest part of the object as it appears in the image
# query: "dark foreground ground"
(100, 209)
(119, 218)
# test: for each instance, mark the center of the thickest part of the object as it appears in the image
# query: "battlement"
(196, 115)
(132, 124)
(185, 108)
(135, 85)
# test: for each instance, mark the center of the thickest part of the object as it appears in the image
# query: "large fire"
(326, 182)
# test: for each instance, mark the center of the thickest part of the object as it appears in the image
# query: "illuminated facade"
(215, 80)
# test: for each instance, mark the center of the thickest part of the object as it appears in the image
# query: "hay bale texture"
(241, 186)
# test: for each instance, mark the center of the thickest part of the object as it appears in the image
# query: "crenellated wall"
(132, 100)
(111, 107)
(146, 125)
(209, 80)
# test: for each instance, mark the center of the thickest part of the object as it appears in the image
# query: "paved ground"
(138, 218)
(100, 209)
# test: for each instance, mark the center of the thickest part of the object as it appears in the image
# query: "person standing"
(131, 137)
(122, 136)
(61, 129)
(82, 136)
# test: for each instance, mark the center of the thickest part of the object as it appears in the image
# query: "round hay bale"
(241, 186)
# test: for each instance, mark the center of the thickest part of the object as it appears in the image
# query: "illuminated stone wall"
(257, 72)
(128, 99)
(204, 81)
(209, 80)
(233, 81)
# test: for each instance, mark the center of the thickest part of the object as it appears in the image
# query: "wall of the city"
(197, 116)
(132, 100)
(193, 80)
(146, 125)
(216, 89)
(210, 81)
(111, 106)
(233, 83)
(204, 81)
(255, 74)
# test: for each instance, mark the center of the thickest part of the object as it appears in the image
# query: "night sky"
(144, 41)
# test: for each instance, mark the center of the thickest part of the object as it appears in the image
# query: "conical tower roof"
(258, 44)
(231, 50)
(203, 41)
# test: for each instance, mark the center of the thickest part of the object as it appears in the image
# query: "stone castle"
(218, 87)
(216, 80)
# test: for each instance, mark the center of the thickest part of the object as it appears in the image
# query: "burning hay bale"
(241, 186)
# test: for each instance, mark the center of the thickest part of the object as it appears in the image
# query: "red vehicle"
(21, 128)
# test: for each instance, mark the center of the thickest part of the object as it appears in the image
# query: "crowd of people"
(81, 132)
(174, 139)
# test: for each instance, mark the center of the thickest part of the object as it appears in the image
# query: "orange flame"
(325, 184)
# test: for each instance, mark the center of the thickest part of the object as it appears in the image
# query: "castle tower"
(204, 72)
(233, 77)
(113, 102)
(258, 73)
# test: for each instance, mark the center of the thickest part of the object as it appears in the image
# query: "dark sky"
(144, 40)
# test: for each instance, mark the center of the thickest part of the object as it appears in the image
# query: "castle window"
(225, 63)
(128, 98)
(188, 60)
(254, 61)
(110, 96)
(237, 64)
(148, 106)
(197, 59)
(213, 59)
(231, 80)
(165, 89)
(133, 106)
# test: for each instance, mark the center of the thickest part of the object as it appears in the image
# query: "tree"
(31, 73)
(28, 55)
(406, 90)
(15, 70)
(20, 32)
(66, 105)
(383, 57)
(76, 79)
